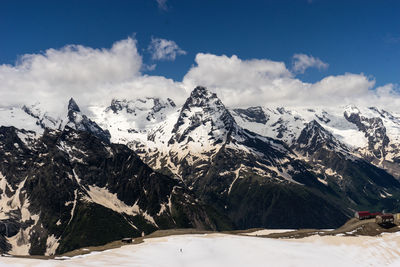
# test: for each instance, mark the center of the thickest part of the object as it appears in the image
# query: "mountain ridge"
(63, 188)
(242, 168)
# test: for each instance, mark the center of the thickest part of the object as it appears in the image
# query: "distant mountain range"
(135, 166)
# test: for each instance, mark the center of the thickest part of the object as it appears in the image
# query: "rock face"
(252, 114)
(71, 188)
(374, 131)
(314, 138)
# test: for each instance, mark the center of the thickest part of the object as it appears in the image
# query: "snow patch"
(51, 245)
(322, 181)
(110, 200)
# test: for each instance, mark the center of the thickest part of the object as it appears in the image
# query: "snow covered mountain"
(32, 118)
(251, 164)
(80, 122)
(131, 120)
(197, 132)
(216, 168)
(371, 133)
(69, 188)
(28, 118)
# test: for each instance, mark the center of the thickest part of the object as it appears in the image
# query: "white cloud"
(91, 76)
(263, 82)
(162, 49)
(95, 76)
(301, 62)
(162, 4)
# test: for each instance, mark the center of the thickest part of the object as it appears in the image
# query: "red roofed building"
(362, 215)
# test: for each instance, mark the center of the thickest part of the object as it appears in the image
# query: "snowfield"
(232, 250)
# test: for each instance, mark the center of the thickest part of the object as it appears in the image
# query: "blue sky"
(351, 36)
(299, 52)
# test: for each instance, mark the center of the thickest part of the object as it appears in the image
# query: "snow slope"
(286, 123)
(129, 120)
(20, 119)
(229, 250)
(369, 126)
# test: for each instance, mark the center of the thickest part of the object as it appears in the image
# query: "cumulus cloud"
(301, 62)
(243, 83)
(95, 76)
(162, 49)
(91, 76)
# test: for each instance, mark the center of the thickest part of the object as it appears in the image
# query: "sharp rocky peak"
(314, 130)
(79, 121)
(203, 109)
(72, 106)
(314, 124)
(200, 97)
(315, 137)
(201, 92)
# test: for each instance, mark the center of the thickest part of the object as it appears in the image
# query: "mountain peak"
(315, 123)
(201, 97)
(203, 109)
(200, 91)
(72, 106)
(314, 130)
(79, 121)
(315, 137)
